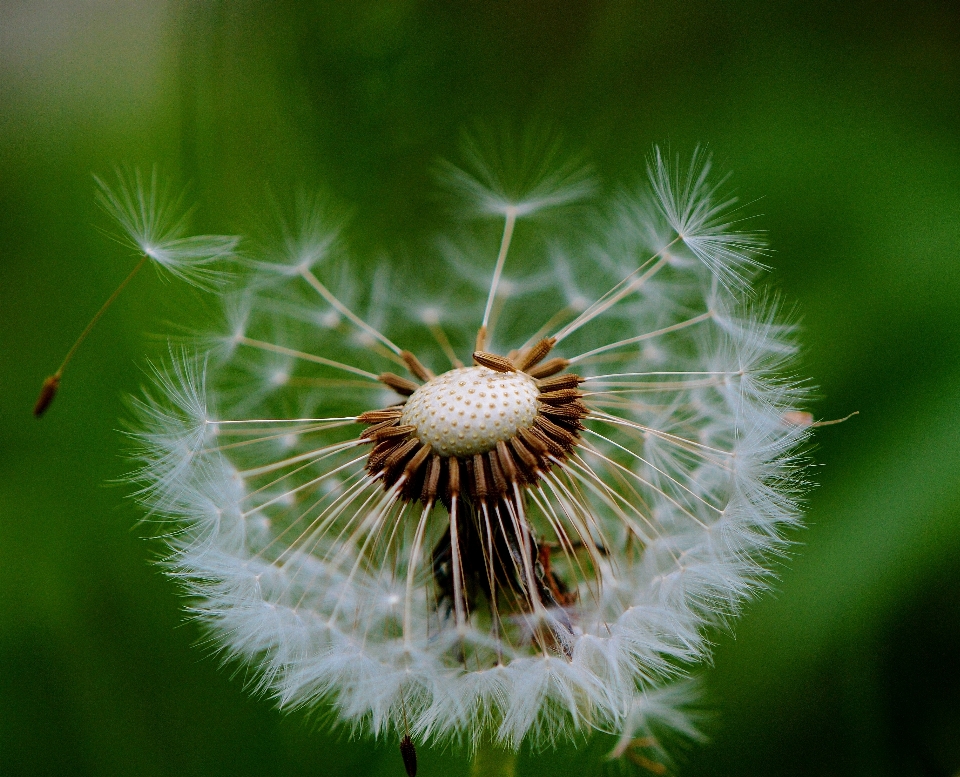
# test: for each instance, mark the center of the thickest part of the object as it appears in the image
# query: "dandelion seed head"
(512, 507)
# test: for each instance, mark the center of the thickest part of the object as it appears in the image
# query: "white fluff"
(305, 569)
(154, 223)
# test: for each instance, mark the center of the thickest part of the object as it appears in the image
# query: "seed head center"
(468, 410)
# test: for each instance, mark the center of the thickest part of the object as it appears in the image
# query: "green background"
(841, 123)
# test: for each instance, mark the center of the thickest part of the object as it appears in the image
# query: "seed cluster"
(477, 431)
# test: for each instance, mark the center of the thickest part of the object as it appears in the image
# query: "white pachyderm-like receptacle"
(468, 410)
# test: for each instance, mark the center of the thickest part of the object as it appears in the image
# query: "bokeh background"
(841, 123)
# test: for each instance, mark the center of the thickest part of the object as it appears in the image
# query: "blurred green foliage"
(841, 122)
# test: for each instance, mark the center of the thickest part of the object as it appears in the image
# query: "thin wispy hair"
(154, 222)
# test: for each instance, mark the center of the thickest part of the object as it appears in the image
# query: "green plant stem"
(492, 761)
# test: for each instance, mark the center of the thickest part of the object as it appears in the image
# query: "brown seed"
(493, 361)
(416, 462)
(371, 433)
(506, 461)
(453, 482)
(527, 459)
(403, 386)
(409, 755)
(555, 433)
(414, 365)
(549, 367)
(553, 447)
(49, 389)
(379, 416)
(559, 382)
(560, 397)
(536, 354)
(379, 454)
(400, 453)
(47, 393)
(431, 481)
(479, 477)
(569, 411)
(389, 432)
(532, 441)
(496, 474)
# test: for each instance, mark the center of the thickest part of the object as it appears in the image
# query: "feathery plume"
(489, 516)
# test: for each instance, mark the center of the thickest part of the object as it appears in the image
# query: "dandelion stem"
(51, 384)
(508, 225)
(444, 342)
(324, 292)
(640, 338)
(623, 289)
(265, 346)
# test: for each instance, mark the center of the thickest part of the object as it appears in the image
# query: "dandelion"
(508, 516)
(154, 225)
